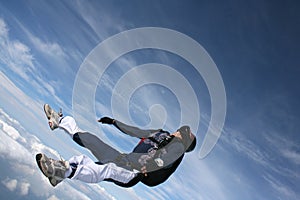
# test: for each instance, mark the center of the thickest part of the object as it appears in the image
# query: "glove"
(106, 120)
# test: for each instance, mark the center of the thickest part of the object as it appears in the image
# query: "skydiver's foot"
(52, 116)
(54, 170)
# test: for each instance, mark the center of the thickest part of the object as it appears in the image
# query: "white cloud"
(291, 155)
(12, 150)
(10, 184)
(11, 131)
(21, 54)
(17, 57)
(24, 188)
(3, 29)
(14, 185)
(51, 49)
(18, 103)
(53, 197)
(14, 54)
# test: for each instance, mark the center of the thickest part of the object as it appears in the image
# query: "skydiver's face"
(178, 135)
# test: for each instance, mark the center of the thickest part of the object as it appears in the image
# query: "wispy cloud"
(273, 158)
(291, 155)
(288, 149)
(52, 52)
(51, 49)
(14, 54)
(91, 15)
(282, 191)
(18, 58)
(246, 147)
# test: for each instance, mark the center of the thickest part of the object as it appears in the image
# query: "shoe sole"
(38, 158)
(48, 116)
(48, 111)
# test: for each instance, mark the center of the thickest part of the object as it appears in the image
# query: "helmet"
(188, 138)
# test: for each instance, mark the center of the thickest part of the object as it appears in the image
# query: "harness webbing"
(162, 143)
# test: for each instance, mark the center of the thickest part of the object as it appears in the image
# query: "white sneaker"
(53, 169)
(52, 116)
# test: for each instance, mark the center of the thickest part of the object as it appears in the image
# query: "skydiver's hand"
(144, 171)
(106, 120)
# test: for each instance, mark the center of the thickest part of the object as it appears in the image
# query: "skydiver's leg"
(89, 172)
(69, 125)
(103, 152)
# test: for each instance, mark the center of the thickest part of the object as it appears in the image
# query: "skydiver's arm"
(134, 131)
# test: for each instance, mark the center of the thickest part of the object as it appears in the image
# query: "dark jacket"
(160, 162)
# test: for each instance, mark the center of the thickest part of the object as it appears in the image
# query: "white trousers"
(88, 171)
(68, 124)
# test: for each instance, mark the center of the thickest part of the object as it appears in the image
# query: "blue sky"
(254, 44)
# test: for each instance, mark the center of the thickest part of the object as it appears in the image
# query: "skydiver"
(152, 161)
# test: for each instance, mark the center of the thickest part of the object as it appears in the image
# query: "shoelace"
(60, 114)
(61, 159)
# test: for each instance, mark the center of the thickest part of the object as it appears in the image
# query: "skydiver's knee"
(77, 139)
